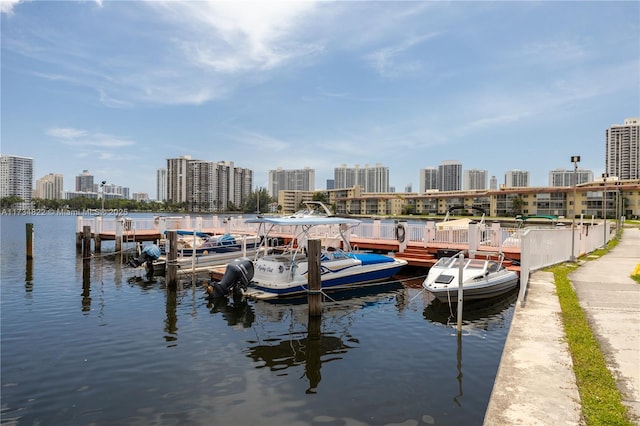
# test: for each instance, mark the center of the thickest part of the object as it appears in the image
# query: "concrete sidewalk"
(535, 384)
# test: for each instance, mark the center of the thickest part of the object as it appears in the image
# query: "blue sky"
(117, 87)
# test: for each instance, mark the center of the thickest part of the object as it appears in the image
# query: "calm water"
(98, 347)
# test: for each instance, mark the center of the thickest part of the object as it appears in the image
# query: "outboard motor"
(147, 256)
(236, 278)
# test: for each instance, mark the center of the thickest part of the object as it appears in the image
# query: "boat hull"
(334, 276)
(475, 291)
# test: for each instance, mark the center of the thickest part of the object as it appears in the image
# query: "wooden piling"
(29, 235)
(97, 242)
(86, 242)
(460, 292)
(172, 256)
(314, 283)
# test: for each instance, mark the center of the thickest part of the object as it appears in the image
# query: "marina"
(106, 332)
(78, 343)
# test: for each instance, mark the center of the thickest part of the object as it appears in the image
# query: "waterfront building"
(516, 179)
(331, 184)
(613, 198)
(140, 196)
(428, 179)
(206, 185)
(50, 187)
(474, 179)
(561, 177)
(493, 183)
(450, 175)
(84, 182)
(16, 179)
(623, 149)
(68, 195)
(161, 184)
(371, 179)
(109, 191)
(177, 171)
(294, 179)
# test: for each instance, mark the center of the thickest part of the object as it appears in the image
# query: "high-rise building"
(474, 179)
(493, 183)
(161, 184)
(623, 149)
(561, 177)
(177, 169)
(50, 187)
(370, 179)
(84, 182)
(516, 178)
(16, 179)
(450, 175)
(291, 180)
(428, 179)
(207, 185)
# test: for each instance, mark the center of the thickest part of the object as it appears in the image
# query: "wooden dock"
(417, 254)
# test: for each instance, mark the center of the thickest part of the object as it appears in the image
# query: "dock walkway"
(535, 384)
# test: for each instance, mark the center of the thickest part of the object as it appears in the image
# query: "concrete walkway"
(535, 384)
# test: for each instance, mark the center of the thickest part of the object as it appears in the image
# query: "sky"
(117, 87)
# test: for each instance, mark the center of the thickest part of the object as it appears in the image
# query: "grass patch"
(601, 400)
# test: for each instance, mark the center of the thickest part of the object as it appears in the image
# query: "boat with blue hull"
(283, 272)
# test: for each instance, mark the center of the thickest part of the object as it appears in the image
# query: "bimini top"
(304, 221)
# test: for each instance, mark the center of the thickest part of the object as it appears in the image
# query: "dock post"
(78, 233)
(97, 242)
(314, 282)
(29, 232)
(119, 232)
(460, 272)
(473, 237)
(172, 255)
(86, 243)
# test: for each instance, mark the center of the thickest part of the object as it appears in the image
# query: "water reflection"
(476, 315)
(305, 344)
(28, 276)
(480, 314)
(235, 312)
(171, 321)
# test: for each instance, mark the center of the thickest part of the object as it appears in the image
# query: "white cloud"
(390, 61)
(82, 138)
(6, 6)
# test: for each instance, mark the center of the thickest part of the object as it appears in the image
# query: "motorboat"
(200, 251)
(283, 271)
(482, 275)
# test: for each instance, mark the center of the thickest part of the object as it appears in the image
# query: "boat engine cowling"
(237, 277)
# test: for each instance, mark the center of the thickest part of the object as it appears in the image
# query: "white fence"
(539, 247)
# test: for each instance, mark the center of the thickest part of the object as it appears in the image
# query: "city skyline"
(118, 87)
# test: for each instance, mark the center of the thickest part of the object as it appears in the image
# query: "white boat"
(210, 250)
(483, 277)
(284, 271)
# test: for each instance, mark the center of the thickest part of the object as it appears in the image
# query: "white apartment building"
(161, 184)
(291, 180)
(16, 178)
(50, 187)
(623, 149)
(560, 177)
(207, 185)
(371, 179)
(450, 175)
(516, 178)
(428, 179)
(474, 179)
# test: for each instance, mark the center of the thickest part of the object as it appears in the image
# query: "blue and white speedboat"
(284, 272)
